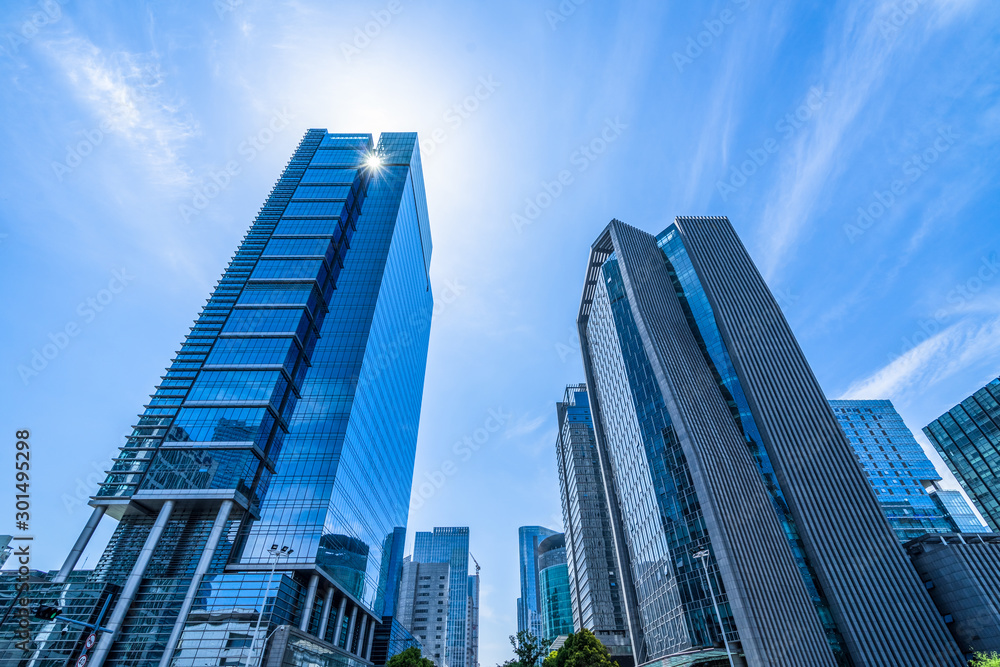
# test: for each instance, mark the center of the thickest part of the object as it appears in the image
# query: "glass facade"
(288, 418)
(451, 545)
(895, 465)
(595, 590)
(968, 438)
(953, 504)
(529, 614)
(553, 588)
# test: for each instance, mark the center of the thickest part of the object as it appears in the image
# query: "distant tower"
(529, 615)
(451, 545)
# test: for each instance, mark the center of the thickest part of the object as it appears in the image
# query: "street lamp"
(702, 556)
(276, 553)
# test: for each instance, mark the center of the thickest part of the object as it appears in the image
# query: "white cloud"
(125, 91)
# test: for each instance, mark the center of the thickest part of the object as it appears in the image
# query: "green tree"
(582, 649)
(528, 649)
(411, 657)
(986, 660)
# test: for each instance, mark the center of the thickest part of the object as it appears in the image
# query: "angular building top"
(717, 443)
(968, 438)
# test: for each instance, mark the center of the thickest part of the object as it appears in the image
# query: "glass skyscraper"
(282, 435)
(954, 504)
(451, 546)
(595, 592)
(529, 614)
(728, 479)
(553, 588)
(968, 438)
(895, 465)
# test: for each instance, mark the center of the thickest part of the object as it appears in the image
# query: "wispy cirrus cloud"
(948, 352)
(857, 61)
(125, 91)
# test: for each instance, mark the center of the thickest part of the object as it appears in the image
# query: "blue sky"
(853, 145)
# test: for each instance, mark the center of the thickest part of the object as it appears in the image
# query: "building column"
(361, 636)
(131, 586)
(81, 544)
(327, 610)
(340, 621)
(307, 610)
(371, 640)
(350, 629)
(203, 564)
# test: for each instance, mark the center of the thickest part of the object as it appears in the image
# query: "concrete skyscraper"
(274, 461)
(595, 591)
(451, 545)
(968, 438)
(729, 482)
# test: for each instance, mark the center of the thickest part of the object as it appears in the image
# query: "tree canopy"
(528, 649)
(986, 660)
(411, 657)
(582, 649)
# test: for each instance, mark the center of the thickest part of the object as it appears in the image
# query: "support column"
(340, 621)
(361, 636)
(81, 544)
(350, 629)
(327, 610)
(371, 640)
(131, 587)
(203, 564)
(307, 610)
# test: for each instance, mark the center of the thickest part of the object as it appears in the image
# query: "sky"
(852, 144)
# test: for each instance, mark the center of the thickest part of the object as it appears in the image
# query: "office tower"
(895, 465)
(391, 636)
(953, 503)
(281, 438)
(968, 438)
(423, 607)
(595, 592)
(730, 484)
(451, 546)
(553, 587)
(472, 632)
(529, 615)
(962, 574)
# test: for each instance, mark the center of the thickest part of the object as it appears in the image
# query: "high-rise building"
(423, 606)
(451, 546)
(953, 503)
(595, 591)
(529, 615)
(968, 438)
(730, 484)
(553, 588)
(472, 631)
(895, 465)
(391, 636)
(276, 455)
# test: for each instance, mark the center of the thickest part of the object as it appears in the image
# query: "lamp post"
(702, 556)
(276, 553)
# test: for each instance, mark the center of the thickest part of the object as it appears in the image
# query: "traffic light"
(47, 613)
